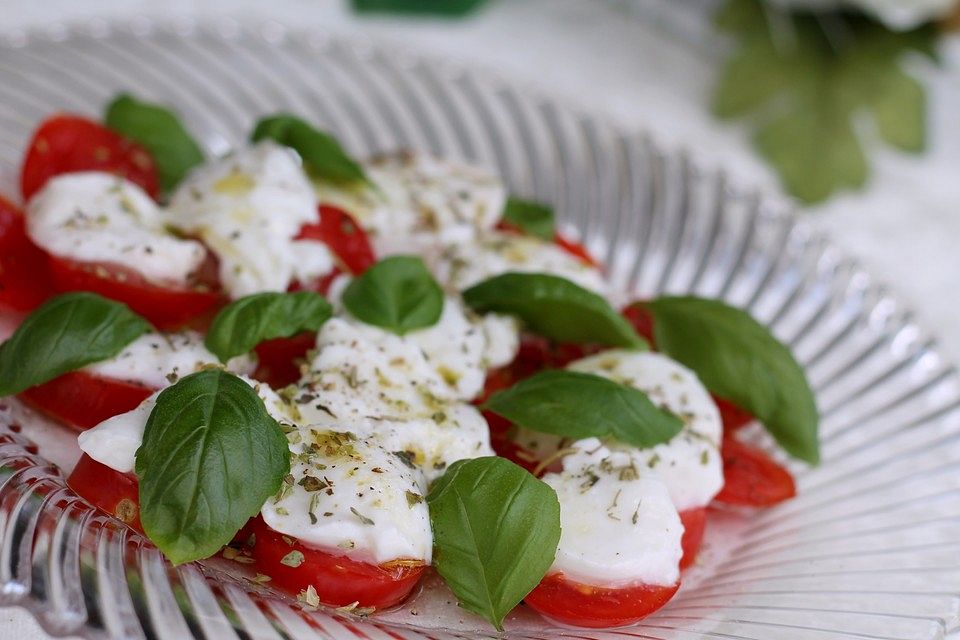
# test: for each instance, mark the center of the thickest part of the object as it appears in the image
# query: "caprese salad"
(346, 373)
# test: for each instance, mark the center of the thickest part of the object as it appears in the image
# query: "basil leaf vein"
(738, 359)
(66, 333)
(555, 308)
(158, 129)
(211, 456)
(532, 218)
(495, 533)
(397, 293)
(582, 405)
(248, 321)
(322, 155)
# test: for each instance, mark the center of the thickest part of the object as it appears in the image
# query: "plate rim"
(772, 204)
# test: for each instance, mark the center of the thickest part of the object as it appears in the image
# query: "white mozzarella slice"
(690, 463)
(157, 360)
(420, 201)
(618, 525)
(102, 218)
(249, 207)
(463, 265)
(349, 495)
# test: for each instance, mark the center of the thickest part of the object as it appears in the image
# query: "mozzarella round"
(376, 382)
(157, 360)
(249, 207)
(463, 265)
(114, 442)
(352, 496)
(618, 526)
(419, 201)
(100, 217)
(690, 463)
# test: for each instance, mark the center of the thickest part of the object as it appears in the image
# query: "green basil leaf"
(397, 293)
(582, 405)
(532, 218)
(447, 8)
(738, 359)
(245, 323)
(66, 333)
(211, 456)
(495, 533)
(158, 129)
(322, 155)
(555, 308)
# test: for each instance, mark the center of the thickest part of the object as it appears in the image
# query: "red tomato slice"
(577, 250)
(165, 307)
(733, 417)
(694, 522)
(116, 494)
(24, 279)
(642, 320)
(277, 359)
(339, 580)
(67, 143)
(341, 233)
(584, 605)
(752, 478)
(82, 400)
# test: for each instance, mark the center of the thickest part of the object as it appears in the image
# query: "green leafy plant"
(738, 359)
(805, 79)
(495, 533)
(211, 456)
(555, 308)
(245, 323)
(533, 218)
(581, 405)
(322, 155)
(398, 293)
(159, 130)
(66, 333)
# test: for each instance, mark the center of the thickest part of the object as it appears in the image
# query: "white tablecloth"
(903, 228)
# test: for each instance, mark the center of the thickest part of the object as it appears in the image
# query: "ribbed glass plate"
(869, 549)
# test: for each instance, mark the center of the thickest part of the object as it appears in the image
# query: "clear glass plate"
(869, 549)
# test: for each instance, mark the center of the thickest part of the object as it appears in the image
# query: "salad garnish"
(533, 218)
(160, 131)
(65, 333)
(211, 456)
(495, 533)
(322, 155)
(582, 405)
(397, 293)
(555, 308)
(738, 359)
(248, 321)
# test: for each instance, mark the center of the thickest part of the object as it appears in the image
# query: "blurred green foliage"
(806, 81)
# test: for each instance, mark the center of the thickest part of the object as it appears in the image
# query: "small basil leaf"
(555, 308)
(531, 217)
(397, 293)
(158, 129)
(738, 359)
(66, 333)
(245, 323)
(582, 405)
(211, 456)
(495, 533)
(322, 155)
